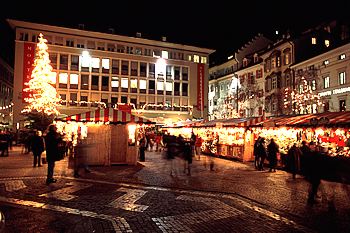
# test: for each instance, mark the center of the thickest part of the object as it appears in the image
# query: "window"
(273, 62)
(169, 75)
(327, 43)
(184, 73)
(74, 65)
(34, 38)
(313, 85)
(169, 88)
(91, 45)
(120, 48)
(73, 81)
(114, 100)
(342, 56)
(73, 98)
(124, 84)
(177, 73)
(177, 89)
(204, 60)
(151, 86)
(105, 82)
(326, 82)
(80, 45)
(286, 58)
(143, 69)
(95, 64)
(125, 67)
(184, 89)
(134, 65)
(143, 86)
(110, 47)
(129, 50)
(196, 58)
(189, 57)
(70, 43)
(83, 100)
(278, 61)
(63, 96)
(94, 82)
(84, 82)
(341, 76)
(148, 52)
(160, 86)
(326, 62)
(138, 51)
(105, 65)
(313, 40)
(342, 105)
(53, 60)
(115, 66)
(133, 101)
(63, 62)
(23, 36)
(62, 80)
(133, 85)
(274, 82)
(124, 99)
(151, 70)
(165, 54)
(115, 83)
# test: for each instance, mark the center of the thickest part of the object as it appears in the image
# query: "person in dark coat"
(261, 153)
(255, 153)
(52, 140)
(37, 145)
(143, 148)
(272, 150)
(294, 154)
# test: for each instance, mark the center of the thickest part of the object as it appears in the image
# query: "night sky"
(221, 25)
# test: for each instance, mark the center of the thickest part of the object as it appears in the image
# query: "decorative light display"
(301, 101)
(42, 95)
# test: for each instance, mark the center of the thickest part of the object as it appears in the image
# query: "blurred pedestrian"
(256, 154)
(198, 146)
(261, 152)
(294, 154)
(142, 148)
(38, 147)
(272, 150)
(80, 156)
(52, 141)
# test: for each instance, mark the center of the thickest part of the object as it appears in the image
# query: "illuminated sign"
(335, 91)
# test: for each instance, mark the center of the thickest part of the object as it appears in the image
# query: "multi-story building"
(6, 94)
(161, 80)
(251, 92)
(227, 86)
(327, 75)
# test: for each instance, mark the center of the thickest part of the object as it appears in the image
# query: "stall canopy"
(107, 115)
(326, 118)
(238, 122)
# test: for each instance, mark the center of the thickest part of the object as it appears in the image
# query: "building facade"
(6, 94)
(160, 80)
(328, 76)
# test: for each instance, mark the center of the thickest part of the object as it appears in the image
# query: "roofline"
(78, 32)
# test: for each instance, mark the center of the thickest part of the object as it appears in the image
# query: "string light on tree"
(43, 97)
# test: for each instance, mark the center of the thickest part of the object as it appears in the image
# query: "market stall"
(111, 135)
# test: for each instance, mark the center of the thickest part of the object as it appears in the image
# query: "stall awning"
(326, 118)
(238, 122)
(106, 115)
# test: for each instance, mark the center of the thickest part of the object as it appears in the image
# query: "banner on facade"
(200, 87)
(28, 60)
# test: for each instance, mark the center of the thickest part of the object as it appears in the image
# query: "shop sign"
(28, 60)
(335, 91)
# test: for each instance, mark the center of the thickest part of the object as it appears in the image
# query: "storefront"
(111, 135)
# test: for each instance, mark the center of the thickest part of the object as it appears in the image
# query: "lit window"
(326, 82)
(125, 83)
(286, 59)
(95, 62)
(73, 79)
(326, 62)
(133, 83)
(274, 83)
(342, 78)
(169, 86)
(313, 40)
(115, 82)
(342, 56)
(326, 43)
(85, 59)
(189, 57)
(313, 85)
(160, 86)
(143, 84)
(301, 89)
(63, 78)
(204, 60)
(105, 63)
(165, 54)
(196, 58)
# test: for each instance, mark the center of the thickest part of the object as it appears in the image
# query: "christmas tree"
(43, 99)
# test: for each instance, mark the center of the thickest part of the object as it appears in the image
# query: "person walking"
(294, 154)
(38, 147)
(261, 153)
(52, 140)
(198, 145)
(256, 154)
(142, 148)
(272, 150)
(80, 157)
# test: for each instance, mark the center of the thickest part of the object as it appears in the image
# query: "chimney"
(138, 34)
(164, 38)
(111, 30)
(81, 26)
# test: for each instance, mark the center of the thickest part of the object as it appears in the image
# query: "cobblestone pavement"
(146, 198)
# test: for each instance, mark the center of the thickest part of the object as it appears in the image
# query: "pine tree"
(43, 99)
